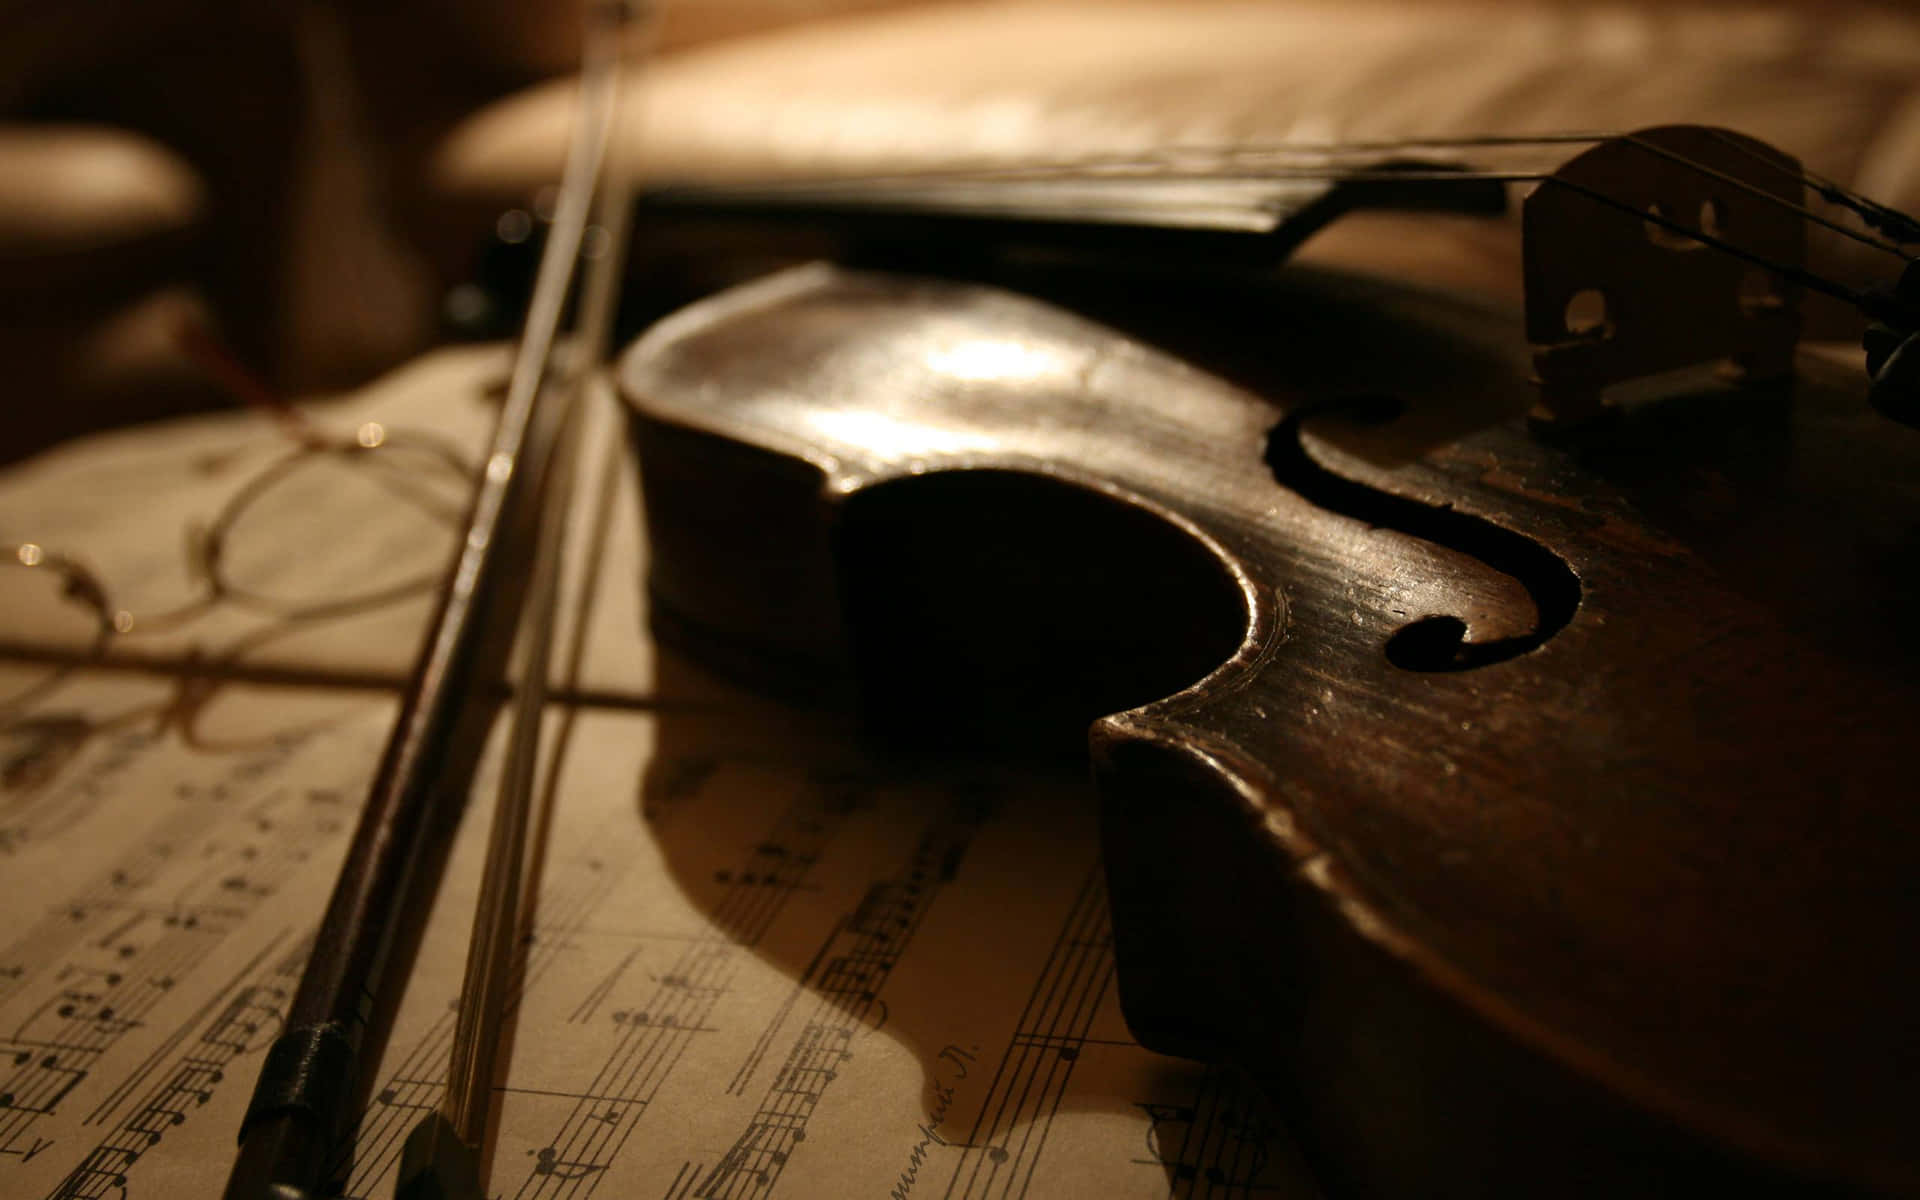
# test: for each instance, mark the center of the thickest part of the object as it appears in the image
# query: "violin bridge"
(1659, 250)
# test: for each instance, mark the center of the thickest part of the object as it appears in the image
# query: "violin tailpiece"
(1643, 255)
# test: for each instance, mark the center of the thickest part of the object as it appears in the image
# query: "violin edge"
(1711, 1144)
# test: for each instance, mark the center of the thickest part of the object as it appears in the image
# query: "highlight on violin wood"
(1606, 892)
(1627, 208)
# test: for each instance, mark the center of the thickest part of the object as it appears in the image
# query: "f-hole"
(1434, 642)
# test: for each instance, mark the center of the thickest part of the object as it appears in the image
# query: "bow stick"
(302, 1109)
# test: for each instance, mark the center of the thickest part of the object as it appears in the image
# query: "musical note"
(730, 958)
(111, 955)
(547, 1162)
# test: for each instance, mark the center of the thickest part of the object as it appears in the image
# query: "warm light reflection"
(993, 359)
(887, 437)
(29, 554)
(372, 434)
(514, 226)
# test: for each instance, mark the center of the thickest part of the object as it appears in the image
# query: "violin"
(1503, 749)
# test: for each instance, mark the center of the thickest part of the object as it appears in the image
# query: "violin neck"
(1673, 188)
(1247, 219)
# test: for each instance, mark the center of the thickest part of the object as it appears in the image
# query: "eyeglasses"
(333, 526)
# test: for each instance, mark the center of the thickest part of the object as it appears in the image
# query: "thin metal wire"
(854, 190)
(79, 586)
(1317, 162)
(1877, 215)
(1865, 301)
(1210, 156)
(208, 547)
(1804, 212)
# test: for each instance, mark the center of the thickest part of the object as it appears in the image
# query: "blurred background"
(309, 183)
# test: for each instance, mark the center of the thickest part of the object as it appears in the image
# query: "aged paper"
(327, 561)
(761, 964)
(762, 961)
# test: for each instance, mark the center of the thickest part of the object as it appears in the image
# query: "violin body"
(1530, 814)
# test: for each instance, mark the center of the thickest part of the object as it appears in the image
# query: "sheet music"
(764, 962)
(134, 504)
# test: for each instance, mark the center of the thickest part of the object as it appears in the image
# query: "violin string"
(1904, 229)
(1252, 156)
(1805, 213)
(1800, 210)
(1276, 161)
(1282, 160)
(845, 191)
(1866, 302)
(1278, 154)
(1883, 218)
(1210, 157)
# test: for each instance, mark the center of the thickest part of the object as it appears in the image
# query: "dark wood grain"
(1601, 883)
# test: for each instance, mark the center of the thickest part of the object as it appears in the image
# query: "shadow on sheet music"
(909, 961)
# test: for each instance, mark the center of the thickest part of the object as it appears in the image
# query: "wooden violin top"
(1535, 816)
